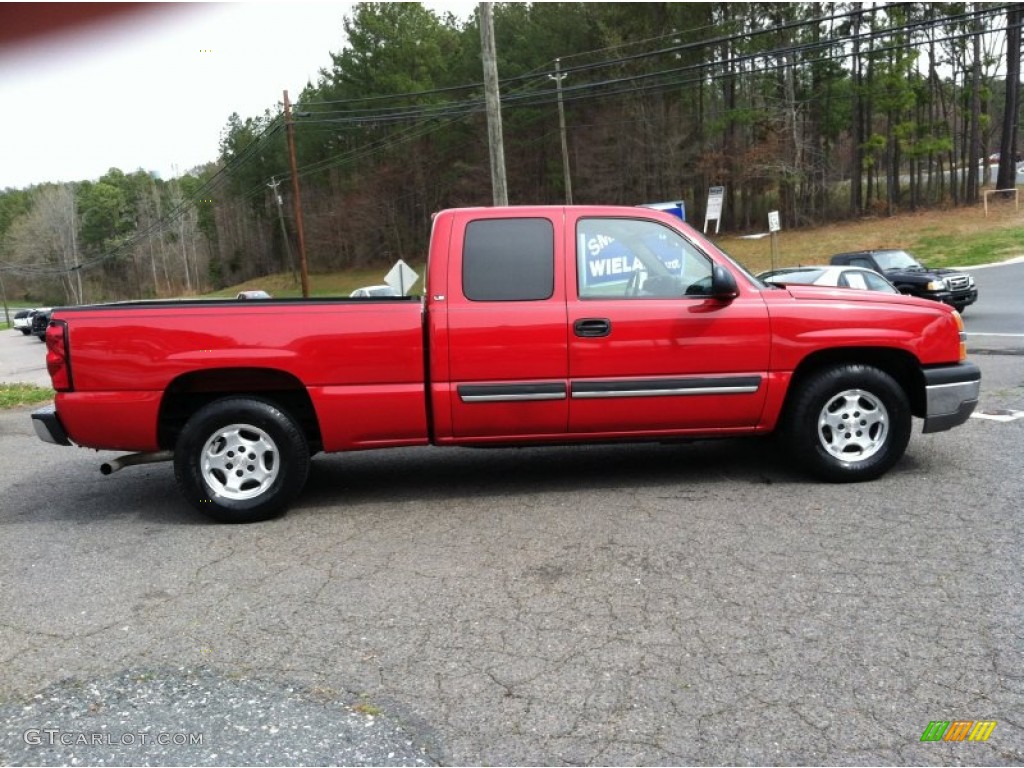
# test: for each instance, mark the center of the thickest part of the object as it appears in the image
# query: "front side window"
(509, 260)
(634, 258)
(853, 280)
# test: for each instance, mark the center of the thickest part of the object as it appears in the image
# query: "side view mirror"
(723, 284)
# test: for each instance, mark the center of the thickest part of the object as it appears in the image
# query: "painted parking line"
(998, 414)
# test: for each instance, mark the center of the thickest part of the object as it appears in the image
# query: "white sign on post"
(774, 225)
(401, 277)
(716, 196)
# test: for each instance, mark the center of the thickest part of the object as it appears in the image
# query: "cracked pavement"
(646, 604)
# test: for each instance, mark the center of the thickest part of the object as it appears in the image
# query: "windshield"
(806, 276)
(896, 260)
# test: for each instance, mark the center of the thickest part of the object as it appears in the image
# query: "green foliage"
(253, 150)
(13, 203)
(873, 148)
(104, 212)
(393, 48)
(661, 100)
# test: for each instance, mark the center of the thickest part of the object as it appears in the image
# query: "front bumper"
(963, 298)
(954, 299)
(951, 395)
(47, 425)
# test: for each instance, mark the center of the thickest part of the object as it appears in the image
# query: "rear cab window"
(509, 260)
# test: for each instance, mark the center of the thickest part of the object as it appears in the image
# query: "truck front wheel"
(241, 460)
(848, 423)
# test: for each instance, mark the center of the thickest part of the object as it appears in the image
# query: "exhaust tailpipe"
(131, 459)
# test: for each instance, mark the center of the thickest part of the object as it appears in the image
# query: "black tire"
(848, 423)
(25, 331)
(241, 460)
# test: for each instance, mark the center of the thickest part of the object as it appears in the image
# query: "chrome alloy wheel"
(240, 461)
(853, 425)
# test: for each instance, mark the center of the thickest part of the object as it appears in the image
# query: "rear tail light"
(58, 361)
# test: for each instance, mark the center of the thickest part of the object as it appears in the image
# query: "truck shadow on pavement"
(144, 494)
(447, 476)
(456, 474)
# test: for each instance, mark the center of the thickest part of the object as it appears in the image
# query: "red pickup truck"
(538, 325)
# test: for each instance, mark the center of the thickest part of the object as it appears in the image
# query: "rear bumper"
(48, 427)
(951, 395)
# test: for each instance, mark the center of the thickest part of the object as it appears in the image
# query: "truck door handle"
(592, 327)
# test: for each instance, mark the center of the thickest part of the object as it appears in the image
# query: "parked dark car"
(911, 277)
(41, 319)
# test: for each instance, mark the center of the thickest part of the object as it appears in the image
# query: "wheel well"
(191, 391)
(902, 366)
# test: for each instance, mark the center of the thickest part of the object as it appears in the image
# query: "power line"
(631, 85)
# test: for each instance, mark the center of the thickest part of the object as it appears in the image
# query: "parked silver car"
(831, 276)
(373, 291)
(23, 321)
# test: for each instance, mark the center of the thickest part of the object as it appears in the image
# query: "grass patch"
(983, 248)
(15, 395)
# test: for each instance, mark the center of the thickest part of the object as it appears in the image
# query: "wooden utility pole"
(974, 131)
(499, 185)
(1008, 147)
(74, 249)
(296, 197)
(3, 292)
(558, 77)
(274, 184)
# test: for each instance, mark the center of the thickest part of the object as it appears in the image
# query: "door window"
(637, 259)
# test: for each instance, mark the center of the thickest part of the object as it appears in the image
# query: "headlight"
(935, 285)
(970, 281)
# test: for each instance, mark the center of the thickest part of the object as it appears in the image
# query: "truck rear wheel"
(241, 460)
(848, 423)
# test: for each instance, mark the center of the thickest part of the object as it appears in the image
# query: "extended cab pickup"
(538, 325)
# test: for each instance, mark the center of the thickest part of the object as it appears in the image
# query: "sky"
(154, 90)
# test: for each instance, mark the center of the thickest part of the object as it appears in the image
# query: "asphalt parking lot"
(22, 359)
(652, 604)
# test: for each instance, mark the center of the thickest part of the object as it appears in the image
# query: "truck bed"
(363, 358)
